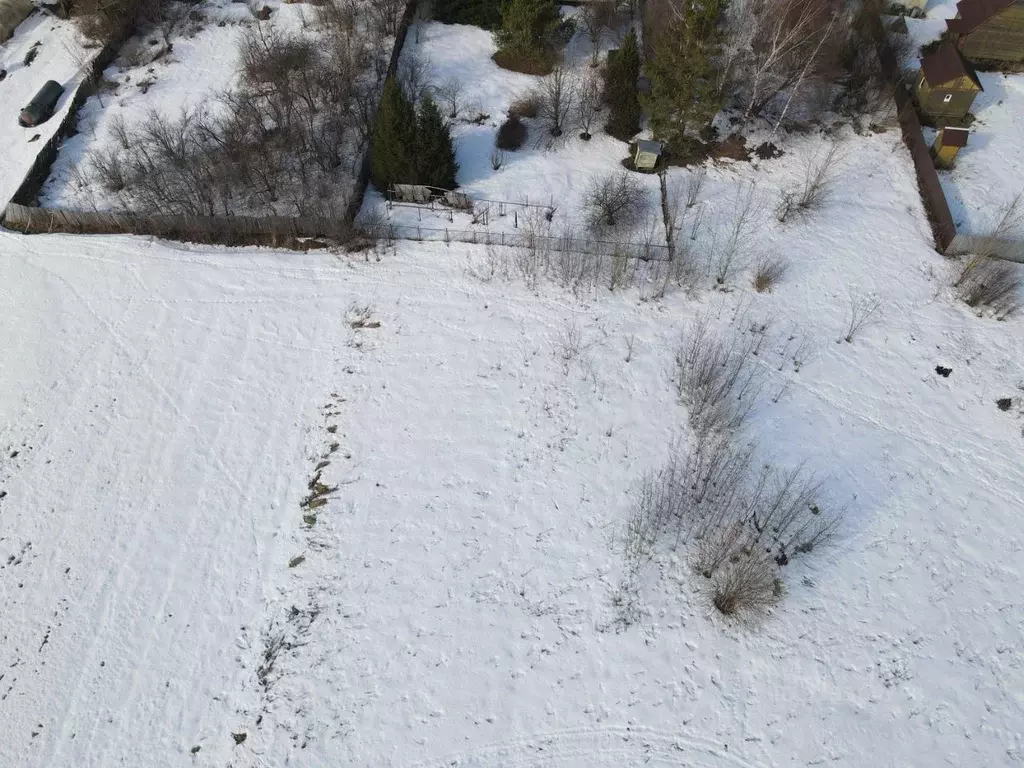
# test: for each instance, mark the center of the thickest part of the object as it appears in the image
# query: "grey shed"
(647, 154)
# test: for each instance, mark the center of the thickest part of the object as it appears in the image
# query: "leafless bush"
(768, 271)
(863, 312)
(556, 102)
(992, 285)
(717, 376)
(525, 106)
(449, 96)
(747, 586)
(102, 21)
(588, 102)
(820, 174)
(614, 199)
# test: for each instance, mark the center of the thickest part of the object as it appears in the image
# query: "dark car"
(40, 109)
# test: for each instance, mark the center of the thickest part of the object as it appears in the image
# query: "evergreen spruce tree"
(683, 96)
(527, 33)
(392, 158)
(620, 89)
(435, 155)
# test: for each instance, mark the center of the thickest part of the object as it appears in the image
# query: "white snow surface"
(164, 409)
(60, 57)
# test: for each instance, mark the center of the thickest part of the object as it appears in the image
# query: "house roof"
(645, 145)
(953, 137)
(971, 14)
(944, 64)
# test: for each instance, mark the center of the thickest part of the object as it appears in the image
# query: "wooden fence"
(934, 199)
(277, 231)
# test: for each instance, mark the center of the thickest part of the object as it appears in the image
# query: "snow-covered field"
(165, 409)
(557, 176)
(60, 57)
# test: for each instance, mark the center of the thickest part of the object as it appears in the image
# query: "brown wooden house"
(989, 30)
(946, 86)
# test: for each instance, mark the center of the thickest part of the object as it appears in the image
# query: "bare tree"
(617, 198)
(596, 18)
(414, 77)
(739, 236)
(557, 97)
(778, 45)
(449, 96)
(588, 102)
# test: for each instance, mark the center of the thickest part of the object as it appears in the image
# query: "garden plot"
(214, 112)
(989, 171)
(147, 78)
(555, 177)
(43, 48)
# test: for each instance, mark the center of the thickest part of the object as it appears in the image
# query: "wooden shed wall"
(1001, 38)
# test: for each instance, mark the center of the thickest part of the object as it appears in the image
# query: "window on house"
(947, 98)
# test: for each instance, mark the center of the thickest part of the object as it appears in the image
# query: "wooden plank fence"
(279, 231)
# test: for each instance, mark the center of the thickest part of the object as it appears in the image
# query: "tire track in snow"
(610, 747)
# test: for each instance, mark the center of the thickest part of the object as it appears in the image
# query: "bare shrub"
(511, 134)
(820, 174)
(102, 21)
(525, 106)
(747, 586)
(863, 311)
(991, 285)
(556, 101)
(717, 376)
(449, 96)
(614, 199)
(768, 271)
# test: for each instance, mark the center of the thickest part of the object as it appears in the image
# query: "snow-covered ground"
(989, 171)
(557, 176)
(60, 57)
(162, 588)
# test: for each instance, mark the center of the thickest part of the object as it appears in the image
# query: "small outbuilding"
(647, 155)
(946, 86)
(12, 13)
(947, 143)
